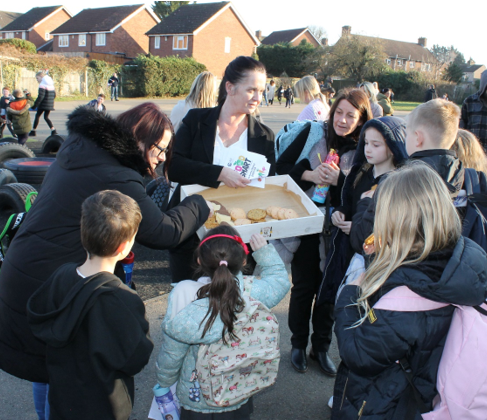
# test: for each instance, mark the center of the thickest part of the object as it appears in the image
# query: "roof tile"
(29, 19)
(277, 37)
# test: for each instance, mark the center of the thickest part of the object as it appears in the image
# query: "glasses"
(161, 150)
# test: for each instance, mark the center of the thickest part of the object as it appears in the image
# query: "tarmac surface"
(295, 395)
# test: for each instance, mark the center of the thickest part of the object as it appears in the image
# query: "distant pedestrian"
(430, 93)
(4, 121)
(271, 91)
(369, 90)
(288, 94)
(280, 93)
(445, 97)
(18, 114)
(384, 101)
(98, 103)
(113, 83)
(44, 102)
(474, 112)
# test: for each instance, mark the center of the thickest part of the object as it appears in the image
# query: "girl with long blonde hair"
(418, 244)
(308, 91)
(470, 151)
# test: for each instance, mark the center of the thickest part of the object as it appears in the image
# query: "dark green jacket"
(385, 103)
(21, 118)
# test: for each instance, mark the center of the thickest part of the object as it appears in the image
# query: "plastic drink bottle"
(128, 267)
(166, 402)
(319, 194)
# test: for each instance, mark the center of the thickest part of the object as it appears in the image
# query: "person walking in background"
(98, 103)
(430, 93)
(44, 103)
(369, 90)
(280, 93)
(113, 83)
(4, 121)
(201, 95)
(18, 113)
(329, 93)
(309, 93)
(474, 112)
(384, 101)
(288, 94)
(271, 91)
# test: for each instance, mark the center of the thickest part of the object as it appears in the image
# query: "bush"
(21, 44)
(160, 76)
(100, 72)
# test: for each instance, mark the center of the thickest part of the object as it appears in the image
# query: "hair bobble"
(223, 262)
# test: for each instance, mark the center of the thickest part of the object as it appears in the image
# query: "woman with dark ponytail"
(205, 311)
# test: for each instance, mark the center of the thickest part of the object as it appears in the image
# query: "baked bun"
(237, 213)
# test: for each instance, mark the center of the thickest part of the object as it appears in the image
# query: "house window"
(399, 62)
(388, 61)
(157, 42)
(82, 40)
(180, 42)
(64, 40)
(23, 34)
(101, 39)
(47, 36)
(411, 64)
(9, 35)
(227, 44)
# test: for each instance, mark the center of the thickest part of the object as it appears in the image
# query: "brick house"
(37, 24)
(292, 36)
(212, 33)
(117, 31)
(406, 56)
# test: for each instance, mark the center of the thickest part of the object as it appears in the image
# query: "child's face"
(375, 150)
(5, 92)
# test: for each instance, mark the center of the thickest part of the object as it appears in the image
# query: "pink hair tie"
(223, 262)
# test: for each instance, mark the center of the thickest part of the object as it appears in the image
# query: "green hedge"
(21, 44)
(160, 76)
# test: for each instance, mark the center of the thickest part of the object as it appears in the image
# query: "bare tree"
(318, 31)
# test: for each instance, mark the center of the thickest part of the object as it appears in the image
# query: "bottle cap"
(129, 259)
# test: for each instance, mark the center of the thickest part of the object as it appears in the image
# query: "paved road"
(295, 396)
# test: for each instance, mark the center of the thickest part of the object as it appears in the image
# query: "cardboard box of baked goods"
(279, 191)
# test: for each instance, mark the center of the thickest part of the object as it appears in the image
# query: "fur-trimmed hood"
(88, 130)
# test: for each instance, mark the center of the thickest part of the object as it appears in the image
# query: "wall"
(209, 44)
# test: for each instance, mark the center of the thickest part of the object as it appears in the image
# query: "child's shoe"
(54, 132)
(32, 133)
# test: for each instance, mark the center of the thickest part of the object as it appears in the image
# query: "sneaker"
(330, 402)
(116, 100)
(32, 133)
(54, 132)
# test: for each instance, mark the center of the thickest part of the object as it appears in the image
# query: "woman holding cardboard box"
(347, 116)
(207, 132)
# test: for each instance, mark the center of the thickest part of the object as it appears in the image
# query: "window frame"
(61, 44)
(399, 62)
(9, 35)
(411, 64)
(228, 45)
(99, 44)
(157, 42)
(81, 36)
(175, 42)
(388, 61)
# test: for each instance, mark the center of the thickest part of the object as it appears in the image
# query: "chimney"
(422, 42)
(470, 62)
(346, 30)
(324, 42)
(258, 34)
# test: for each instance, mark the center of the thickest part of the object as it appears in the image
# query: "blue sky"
(459, 25)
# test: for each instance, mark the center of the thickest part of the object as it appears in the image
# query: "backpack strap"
(471, 181)
(403, 299)
(411, 407)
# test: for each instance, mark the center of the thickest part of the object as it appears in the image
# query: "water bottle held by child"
(167, 403)
(319, 194)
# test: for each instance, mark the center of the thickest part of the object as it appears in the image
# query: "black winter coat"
(45, 99)
(97, 155)
(370, 384)
(97, 339)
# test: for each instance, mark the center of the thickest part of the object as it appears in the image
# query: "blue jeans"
(41, 402)
(114, 92)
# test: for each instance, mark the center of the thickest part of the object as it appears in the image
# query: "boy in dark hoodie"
(94, 326)
(432, 129)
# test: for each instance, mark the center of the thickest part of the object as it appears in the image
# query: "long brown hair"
(223, 291)
(359, 101)
(147, 124)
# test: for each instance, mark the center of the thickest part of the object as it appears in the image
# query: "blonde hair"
(203, 91)
(470, 151)
(370, 91)
(439, 118)
(409, 225)
(41, 73)
(309, 85)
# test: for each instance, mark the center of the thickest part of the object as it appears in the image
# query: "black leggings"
(46, 118)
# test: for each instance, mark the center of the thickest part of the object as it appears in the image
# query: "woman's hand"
(232, 179)
(338, 219)
(316, 176)
(332, 172)
(257, 242)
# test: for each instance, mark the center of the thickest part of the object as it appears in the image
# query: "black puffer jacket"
(370, 382)
(97, 155)
(46, 95)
